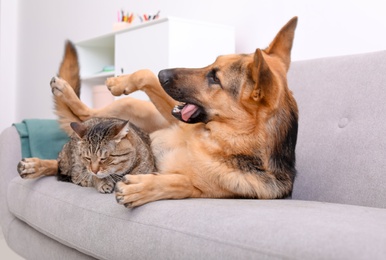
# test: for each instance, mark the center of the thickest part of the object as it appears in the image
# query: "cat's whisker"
(109, 178)
(115, 177)
(84, 177)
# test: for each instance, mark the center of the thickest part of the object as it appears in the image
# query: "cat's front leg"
(32, 168)
(136, 190)
(104, 185)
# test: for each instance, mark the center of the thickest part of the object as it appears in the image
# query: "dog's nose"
(165, 76)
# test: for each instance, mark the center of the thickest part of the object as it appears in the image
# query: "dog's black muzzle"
(165, 77)
(190, 110)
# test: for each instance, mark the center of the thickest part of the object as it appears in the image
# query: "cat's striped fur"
(101, 151)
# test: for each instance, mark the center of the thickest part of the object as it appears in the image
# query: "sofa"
(337, 209)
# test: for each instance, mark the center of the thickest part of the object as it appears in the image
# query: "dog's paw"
(120, 85)
(58, 86)
(136, 190)
(28, 168)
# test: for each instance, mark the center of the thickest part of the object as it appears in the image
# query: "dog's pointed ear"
(79, 128)
(261, 75)
(282, 44)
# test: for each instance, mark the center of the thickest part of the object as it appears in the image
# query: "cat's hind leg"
(32, 168)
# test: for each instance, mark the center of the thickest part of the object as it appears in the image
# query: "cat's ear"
(121, 130)
(79, 129)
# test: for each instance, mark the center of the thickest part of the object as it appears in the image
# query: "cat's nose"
(94, 168)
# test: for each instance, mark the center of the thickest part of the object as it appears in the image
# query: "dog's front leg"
(136, 190)
(32, 168)
(146, 81)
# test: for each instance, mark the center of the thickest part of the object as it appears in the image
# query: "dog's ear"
(282, 44)
(261, 75)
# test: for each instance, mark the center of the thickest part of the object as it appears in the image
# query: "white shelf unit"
(164, 43)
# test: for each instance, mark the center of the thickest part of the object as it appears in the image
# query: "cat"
(99, 153)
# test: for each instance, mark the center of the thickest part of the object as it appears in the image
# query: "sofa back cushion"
(341, 149)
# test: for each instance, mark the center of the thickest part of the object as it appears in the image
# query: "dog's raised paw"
(58, 86)
(112, 85)
(120, 85)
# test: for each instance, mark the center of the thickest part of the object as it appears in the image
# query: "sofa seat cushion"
(95, 224)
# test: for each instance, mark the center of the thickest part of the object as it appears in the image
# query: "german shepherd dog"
(231, 134)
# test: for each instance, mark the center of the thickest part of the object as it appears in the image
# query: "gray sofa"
(337, 210)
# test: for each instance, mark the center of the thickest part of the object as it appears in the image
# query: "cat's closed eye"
(123, 154)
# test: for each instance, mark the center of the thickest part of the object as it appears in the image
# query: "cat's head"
(103, 146)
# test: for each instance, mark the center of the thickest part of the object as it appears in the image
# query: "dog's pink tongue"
(188, 111)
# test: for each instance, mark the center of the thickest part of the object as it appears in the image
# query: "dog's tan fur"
(240, 143)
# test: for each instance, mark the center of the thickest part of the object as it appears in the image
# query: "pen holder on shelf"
(120, 26)
(125, 19)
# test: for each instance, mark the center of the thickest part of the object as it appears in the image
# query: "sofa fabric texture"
(342, 129)
(337, 209)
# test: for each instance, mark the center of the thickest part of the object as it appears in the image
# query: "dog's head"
(233, 84)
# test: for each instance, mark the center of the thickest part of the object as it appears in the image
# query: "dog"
(228, 130)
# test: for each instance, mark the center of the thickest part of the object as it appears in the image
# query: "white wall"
(8, 58)
(326, 28)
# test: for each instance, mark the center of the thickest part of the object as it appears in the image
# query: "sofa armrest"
(10, 155)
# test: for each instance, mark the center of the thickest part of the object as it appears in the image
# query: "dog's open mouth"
(189, 113)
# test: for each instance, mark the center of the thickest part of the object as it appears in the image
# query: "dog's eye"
(212, 77)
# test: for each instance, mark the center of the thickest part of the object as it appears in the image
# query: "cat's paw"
(58, 86)
(107, 187)
(28, 168)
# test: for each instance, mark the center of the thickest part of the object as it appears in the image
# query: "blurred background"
(32, 35)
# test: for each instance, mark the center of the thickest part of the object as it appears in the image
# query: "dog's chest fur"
(180, 147)
(191, 150)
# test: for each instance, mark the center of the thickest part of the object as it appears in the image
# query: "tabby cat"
(101, 151)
